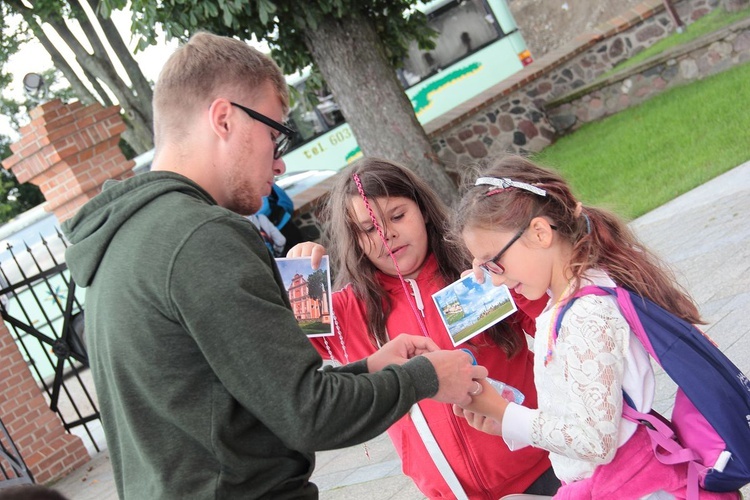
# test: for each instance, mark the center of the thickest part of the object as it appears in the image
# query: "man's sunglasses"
(282, 141)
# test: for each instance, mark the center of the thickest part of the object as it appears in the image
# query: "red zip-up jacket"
(483, 464)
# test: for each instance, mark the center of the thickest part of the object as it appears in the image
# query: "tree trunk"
(141, 86)
(60, 63)
(101, 67)
(353, 63)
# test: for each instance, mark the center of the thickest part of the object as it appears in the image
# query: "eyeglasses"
(282, 141)
(493, 265)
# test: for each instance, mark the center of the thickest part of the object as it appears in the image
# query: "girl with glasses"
(371, 306)
(551, 246)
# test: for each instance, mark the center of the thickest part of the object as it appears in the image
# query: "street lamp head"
(33, 84)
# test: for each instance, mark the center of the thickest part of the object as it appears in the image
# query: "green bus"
(478, 45)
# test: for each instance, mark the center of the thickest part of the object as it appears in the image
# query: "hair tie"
(504, 183)
(578, 212)
(494, 191)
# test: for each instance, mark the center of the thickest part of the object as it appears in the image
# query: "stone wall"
(703, 57)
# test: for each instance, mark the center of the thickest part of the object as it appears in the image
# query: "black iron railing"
(13, 469)
(44, 312)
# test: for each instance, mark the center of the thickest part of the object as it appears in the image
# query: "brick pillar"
(69, 150)
(48, 450)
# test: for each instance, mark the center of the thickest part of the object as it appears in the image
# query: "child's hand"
(488, 403)
(308, 249)
(478, 272)
(479, 422)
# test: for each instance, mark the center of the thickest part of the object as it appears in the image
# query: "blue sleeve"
(265, 208)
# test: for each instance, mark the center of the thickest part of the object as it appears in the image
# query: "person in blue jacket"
(279, 208)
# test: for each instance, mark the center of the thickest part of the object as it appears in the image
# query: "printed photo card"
(468, 308)
(309, 293)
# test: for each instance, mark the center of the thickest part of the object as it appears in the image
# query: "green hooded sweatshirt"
(207, 387)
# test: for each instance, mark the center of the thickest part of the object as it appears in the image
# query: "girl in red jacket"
(370, 306)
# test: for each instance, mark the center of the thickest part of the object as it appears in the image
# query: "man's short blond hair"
(205, 68)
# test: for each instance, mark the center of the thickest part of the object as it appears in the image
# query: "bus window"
(308, 120)
(462, 27)
(330, 112)
(305, 122)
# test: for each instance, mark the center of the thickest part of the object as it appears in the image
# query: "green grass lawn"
(497, 311)
(647, 155)
(717, 18)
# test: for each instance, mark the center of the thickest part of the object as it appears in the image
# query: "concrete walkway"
(704, 235)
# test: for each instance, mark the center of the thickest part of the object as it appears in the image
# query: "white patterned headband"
(504, 183)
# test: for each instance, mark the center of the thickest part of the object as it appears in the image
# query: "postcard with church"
(309, 293)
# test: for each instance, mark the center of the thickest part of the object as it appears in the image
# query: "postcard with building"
(468, 307)
(309, 293)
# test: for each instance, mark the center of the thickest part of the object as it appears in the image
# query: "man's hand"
(400, 350)
(456, 375)
(308, 249)
(479, 422)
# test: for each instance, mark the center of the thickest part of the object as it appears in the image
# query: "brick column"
(69, 150)
(48, 450)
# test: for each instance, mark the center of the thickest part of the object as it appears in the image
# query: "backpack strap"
(665, 446)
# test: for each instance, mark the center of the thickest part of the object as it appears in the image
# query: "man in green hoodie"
(207, 387)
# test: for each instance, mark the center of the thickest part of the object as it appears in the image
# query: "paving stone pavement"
(704, 234)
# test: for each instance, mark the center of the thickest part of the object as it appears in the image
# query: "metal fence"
(43, 310)
(12, 467)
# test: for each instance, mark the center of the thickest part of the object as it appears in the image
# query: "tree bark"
(102, 68)
(83, 93)
(141, 86)
(352, 60)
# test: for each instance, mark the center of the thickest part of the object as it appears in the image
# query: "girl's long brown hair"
(600, 239)
(381, 178)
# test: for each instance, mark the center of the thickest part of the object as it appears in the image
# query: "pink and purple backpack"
(710, 425)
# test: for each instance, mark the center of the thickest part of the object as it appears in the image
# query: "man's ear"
(219, 113)
(541, 232)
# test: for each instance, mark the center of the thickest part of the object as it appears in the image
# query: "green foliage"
(317, 284)
(11, 40)
(280, 23)
(15, 198)
(647, 155)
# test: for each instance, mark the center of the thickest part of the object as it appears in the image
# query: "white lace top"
(580, 389)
